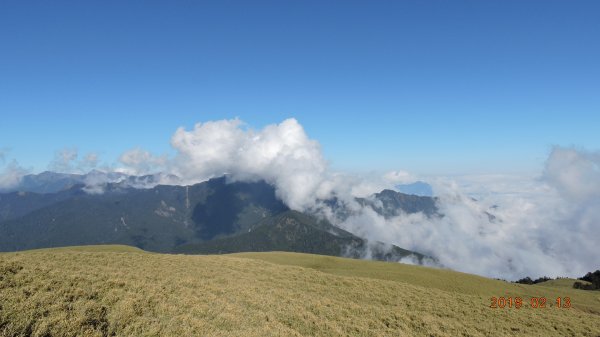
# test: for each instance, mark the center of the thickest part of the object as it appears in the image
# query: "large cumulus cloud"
(281, 154)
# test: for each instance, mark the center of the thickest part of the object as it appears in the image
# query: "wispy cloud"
(68, 160)
(64, 160)
(11, 175)
(141, 162)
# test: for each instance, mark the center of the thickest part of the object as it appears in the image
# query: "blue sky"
(433, 87)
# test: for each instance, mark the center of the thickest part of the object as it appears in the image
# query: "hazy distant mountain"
(52, 182)
(387, 203)
(47, 182)
(419, 188)
(391, 203)
(211, 217)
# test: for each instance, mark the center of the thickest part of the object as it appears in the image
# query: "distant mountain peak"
(93, 182)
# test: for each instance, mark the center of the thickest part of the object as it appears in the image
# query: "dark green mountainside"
(293, 231)
(215, 216)
(156, 219)
(16, 204)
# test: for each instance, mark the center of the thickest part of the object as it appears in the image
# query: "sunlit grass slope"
(120, 291)
(561, 283)
(440, 279)
(94, 248)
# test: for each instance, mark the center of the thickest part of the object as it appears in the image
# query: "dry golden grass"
(561, 283)
(116, 291)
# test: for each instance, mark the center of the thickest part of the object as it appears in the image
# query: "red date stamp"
(534, 303)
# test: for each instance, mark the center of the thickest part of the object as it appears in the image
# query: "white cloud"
(574, 173)
(141, 162)
(281, 154)
(546, 226)
(68, 160)
(64, 160)
(11, 175)
(90, 160)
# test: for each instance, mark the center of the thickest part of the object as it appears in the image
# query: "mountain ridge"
(214, 216)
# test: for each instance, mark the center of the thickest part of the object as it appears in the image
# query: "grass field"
(123, 291)
(561, 283)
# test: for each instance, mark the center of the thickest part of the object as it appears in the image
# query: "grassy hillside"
(440, 279)
(119, 291)
(561, 283)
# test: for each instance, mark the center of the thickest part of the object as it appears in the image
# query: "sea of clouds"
(505, 226)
